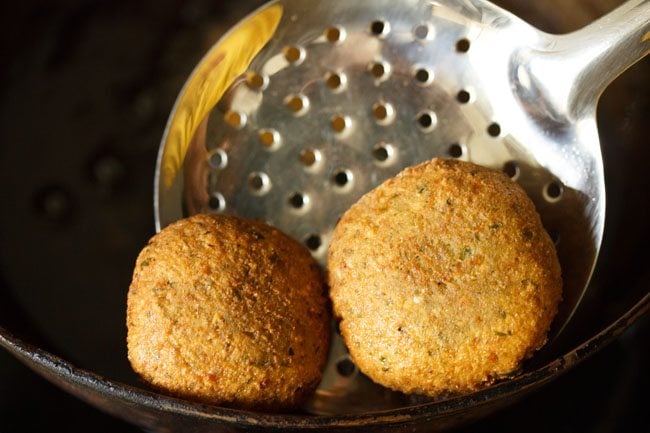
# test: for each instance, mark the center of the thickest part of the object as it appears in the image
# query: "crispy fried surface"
(443, 278)
(228, 311)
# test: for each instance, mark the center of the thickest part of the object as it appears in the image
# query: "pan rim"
(85, 384)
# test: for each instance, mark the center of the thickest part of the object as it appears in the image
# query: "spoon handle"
(581, 64)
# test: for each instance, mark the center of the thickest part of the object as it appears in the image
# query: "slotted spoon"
(305, 106)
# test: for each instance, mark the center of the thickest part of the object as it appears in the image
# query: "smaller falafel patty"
(228, 311)
(444, 279)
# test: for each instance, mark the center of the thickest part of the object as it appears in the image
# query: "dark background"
(85, 91)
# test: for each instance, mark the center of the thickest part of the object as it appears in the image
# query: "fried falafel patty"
(444, 278)
(228, 311)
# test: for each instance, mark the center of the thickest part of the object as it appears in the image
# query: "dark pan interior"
(85, 90)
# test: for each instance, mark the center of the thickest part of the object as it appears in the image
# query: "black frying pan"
(85, 90)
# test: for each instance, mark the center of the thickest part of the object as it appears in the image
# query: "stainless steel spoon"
(305, 106)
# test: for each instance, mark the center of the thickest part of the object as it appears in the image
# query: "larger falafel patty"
(443, 278)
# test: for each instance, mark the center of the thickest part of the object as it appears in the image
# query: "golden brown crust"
(228, 311)
(444, 278)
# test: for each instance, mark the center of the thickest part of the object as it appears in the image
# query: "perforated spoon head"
(305, 106)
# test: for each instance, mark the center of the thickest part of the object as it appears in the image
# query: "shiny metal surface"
(305, 106)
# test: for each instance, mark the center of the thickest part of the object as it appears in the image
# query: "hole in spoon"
(294, 54)
(218, 159)
(342, 179)
(511, 169)
(310, 158)
(313, 242)
(380, 70)
(269, 138)
(345, 367)
(423, 76)
(340, 123)
(217, 202)
(455, 150)
(463, 97)
(259, 183)
(336, 81)
(423, 32)
(427, 120)
(257, 81)
(380, 28)
(462, 45)
(383, 153)
(298, 104)
(235, 119)
(334, 34)
(494, 129)
(383, 112)
(298, 201)
(553, 191)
